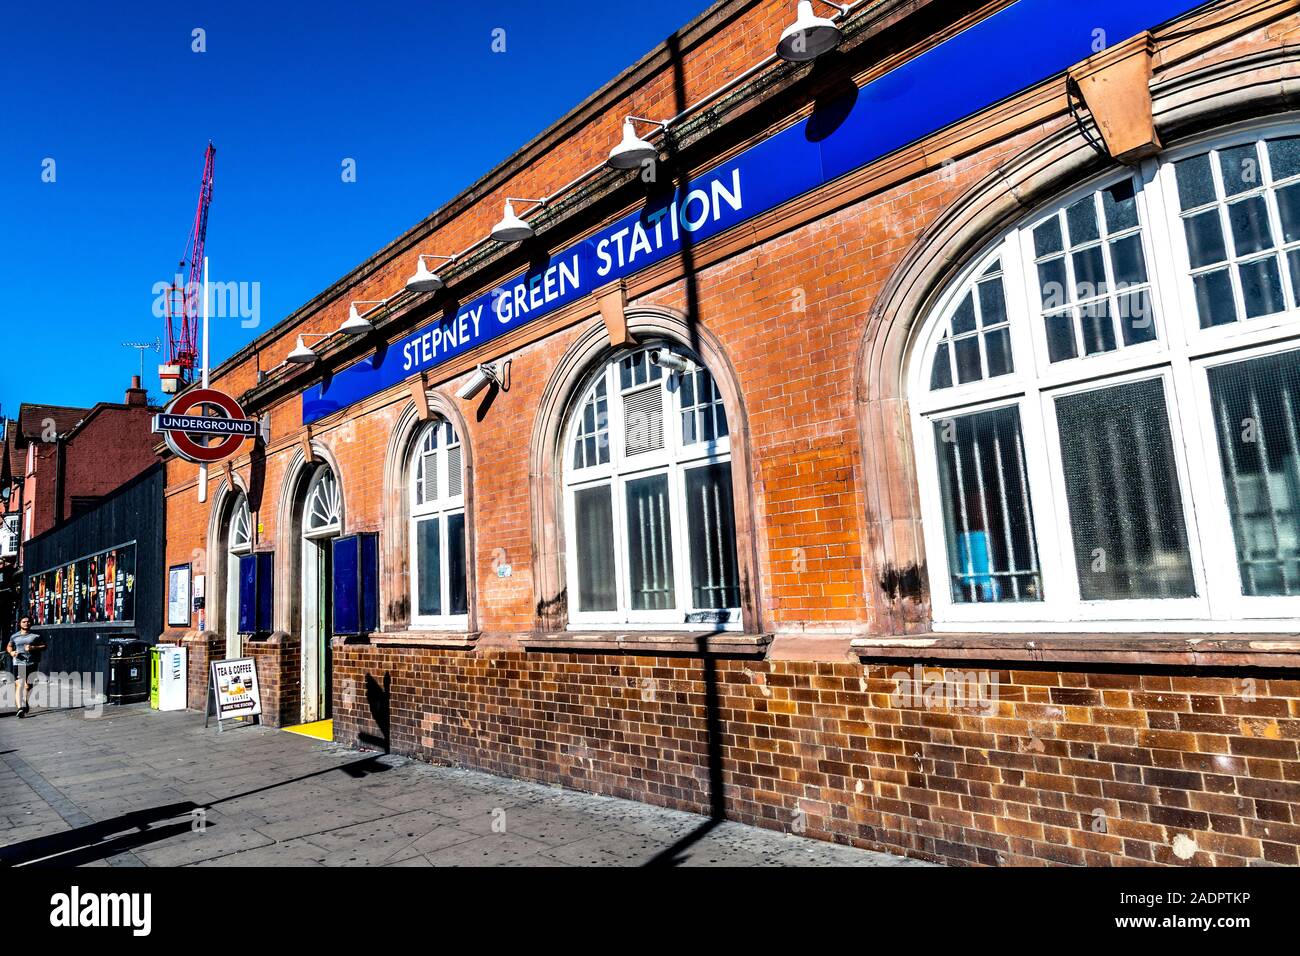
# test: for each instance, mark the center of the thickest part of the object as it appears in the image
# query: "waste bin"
(128, 670)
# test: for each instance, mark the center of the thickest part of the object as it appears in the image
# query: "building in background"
(902, 452)
(99, 575)
(60, 462)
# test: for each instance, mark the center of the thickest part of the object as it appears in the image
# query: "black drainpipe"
(58, 479)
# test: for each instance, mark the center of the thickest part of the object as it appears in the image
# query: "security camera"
(670, 360)
(483, 375)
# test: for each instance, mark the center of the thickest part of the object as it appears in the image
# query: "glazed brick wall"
(1078, 767)
(279, 664)
(200, 651)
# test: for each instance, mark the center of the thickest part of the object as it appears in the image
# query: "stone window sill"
(1204, 650)
(733, 643)
(454, 640)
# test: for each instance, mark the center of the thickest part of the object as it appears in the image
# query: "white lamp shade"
(808, 37)
(511, 228)
(301, 355)
(355, 324)
(423, 280)
(632, 152)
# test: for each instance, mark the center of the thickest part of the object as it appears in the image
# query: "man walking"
(24, 648)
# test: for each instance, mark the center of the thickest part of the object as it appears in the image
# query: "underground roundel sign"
(225, 427)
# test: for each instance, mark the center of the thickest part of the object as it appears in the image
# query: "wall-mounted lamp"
(302, 355)
(355, 323)
(424, 280)
(511, 228)
(810, 35)
(633, 151)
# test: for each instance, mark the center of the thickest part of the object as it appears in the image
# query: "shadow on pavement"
(108, 838)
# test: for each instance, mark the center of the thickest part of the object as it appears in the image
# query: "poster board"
(178, 596)
(233, 691)
(94, 589)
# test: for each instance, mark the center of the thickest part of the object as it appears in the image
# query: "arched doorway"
(322, 520)
(239, 542)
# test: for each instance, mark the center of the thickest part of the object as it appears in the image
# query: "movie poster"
(94, 589)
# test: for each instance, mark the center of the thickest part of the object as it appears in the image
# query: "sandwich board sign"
(233, 692)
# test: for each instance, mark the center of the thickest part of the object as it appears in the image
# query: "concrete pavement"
(137, 787)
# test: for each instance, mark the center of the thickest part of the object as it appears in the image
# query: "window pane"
(1137, 318)
(963, 320)
(1240, 168)
(968, 360)
(941, 371)
(710, 523)
(1126, 511)
(1284, 157)
(992, 555)
(1047, 238)
(1060, 337)
(997, 349)
(1255, 407)
(428, 546)
(1288, 207)
(1205, 239)
(457, 598)
(1195, 182)
(1261, 287)
(1127, 261)
(1089, 273)
(594, 529)
(1098, 330)
(650, 544)
(1120, 204)
(1214, 301)
(1081, 219)
(1051, 283)
(993, 304)
(1250, 227)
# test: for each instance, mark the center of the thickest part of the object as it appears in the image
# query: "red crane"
(185, 300)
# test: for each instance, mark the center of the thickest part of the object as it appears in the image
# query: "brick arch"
(890, 523)
(288, 533)
(223, 501)
(647, 324)
(395, 539)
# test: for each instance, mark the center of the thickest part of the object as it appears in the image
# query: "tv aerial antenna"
(142, 347)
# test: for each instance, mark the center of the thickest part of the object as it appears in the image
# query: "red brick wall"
(1085, 766)
(109, 450)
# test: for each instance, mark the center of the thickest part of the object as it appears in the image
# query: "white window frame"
(333, 500)
(1180, 356)
(12, 532)
(675, 459)
(442, 507)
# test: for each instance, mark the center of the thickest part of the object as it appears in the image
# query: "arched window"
(649, 513)
(439, 595)
(323, 512)
(1105, 405)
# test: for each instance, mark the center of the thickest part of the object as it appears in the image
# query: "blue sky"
(114, 94)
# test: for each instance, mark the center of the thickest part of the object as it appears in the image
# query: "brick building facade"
(60, 462)
(857, 557)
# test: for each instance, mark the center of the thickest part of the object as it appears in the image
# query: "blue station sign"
(1009, 51)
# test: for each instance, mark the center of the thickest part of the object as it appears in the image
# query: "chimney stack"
(135, 395)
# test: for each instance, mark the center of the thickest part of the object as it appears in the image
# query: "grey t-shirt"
(23, 646)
